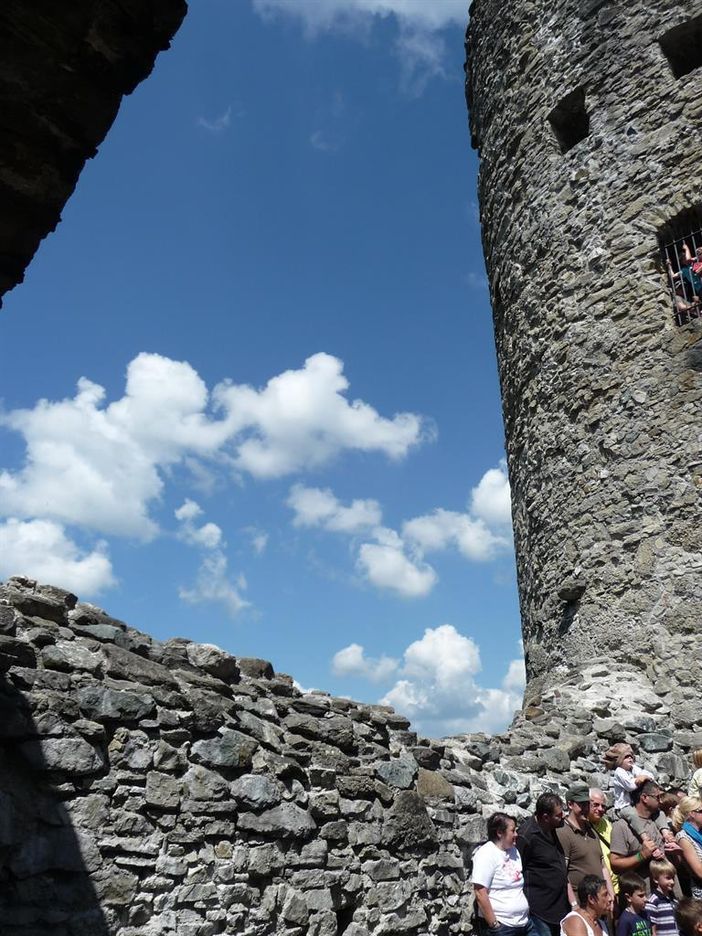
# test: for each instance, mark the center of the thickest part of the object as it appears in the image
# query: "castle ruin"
(171, 789)
(582, 112)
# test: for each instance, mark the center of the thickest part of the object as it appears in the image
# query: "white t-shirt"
(501, 873)
(623, 784)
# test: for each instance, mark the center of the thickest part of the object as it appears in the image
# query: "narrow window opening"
(681, 251)
(570, 120)
(682, 46)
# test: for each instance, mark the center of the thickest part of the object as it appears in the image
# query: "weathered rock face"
(151, 788)
(154, 789)
(64, 68)
(581, 128)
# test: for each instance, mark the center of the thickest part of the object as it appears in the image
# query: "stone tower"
(587, 115)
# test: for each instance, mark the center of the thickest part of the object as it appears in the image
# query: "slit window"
(682, 46)
(570, 120)
(681, 249)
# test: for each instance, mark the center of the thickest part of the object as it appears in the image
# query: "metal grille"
(683, 263)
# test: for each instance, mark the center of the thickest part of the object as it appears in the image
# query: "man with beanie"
(544, 865)
(580, 844)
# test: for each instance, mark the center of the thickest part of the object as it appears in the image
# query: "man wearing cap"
(580, 844)
(631, 852)
(543, 865)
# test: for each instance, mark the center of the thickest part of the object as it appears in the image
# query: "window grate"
(683, 262)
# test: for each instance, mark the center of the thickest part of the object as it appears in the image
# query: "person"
(580, 844)
(632, 902)
(593, 903)
(603, 829)
(668, 801)
(627, 779)
(498, 882)
(695, 788)
(660, 906)
(545, 874)
(632, 852)
(688, 278)
(688, 916)
(683, 307)
(687, 822)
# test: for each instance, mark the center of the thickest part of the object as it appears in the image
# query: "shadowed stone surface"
(64, 68)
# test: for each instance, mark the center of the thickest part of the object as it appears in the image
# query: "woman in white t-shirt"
(498, 882)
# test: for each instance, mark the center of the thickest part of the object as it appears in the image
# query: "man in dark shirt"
(544, 865)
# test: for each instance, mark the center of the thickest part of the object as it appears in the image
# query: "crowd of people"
(569, 870)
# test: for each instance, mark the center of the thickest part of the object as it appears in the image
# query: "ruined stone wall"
(171, 789)
(64, 68)
(602, 394)
(151, 788)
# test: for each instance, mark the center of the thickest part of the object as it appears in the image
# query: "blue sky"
(253, 399)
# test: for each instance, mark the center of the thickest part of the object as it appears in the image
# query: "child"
(627, 778)
(661, 905)
(689, 916)
(632, 900)
(696, 782)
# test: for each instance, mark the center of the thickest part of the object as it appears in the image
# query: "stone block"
(162, 790)
(284, 821)
(16, 652)
(230, 749)
(398, 772)
(103, 704)
(257, 791)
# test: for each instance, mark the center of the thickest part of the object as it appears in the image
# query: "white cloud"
(214, 585)
(259, 540)
(352, 661)
(316, 507)
(480, 534)
(490, 499)
(217, 124)
(444, 528)
(301, 419)
(515, 678)
(419, 44)
(396, 561)
(208, 536)
(386, 565)
(42, 550)
(438, 688)
(103, 467)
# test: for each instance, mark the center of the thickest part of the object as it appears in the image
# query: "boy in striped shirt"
(661, 905)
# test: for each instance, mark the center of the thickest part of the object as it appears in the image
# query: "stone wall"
(601, 391)
(154, 789)
(64, 68)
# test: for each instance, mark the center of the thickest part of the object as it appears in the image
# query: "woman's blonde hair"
(697, 757)
(683, 810)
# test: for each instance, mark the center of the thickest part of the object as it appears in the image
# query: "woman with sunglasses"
(687, 822)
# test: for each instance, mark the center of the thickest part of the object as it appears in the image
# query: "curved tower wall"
(601, 390)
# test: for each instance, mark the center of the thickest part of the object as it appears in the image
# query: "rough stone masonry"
(587, 160)
(171, 789)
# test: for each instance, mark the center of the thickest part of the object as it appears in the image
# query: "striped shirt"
(660, 911)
